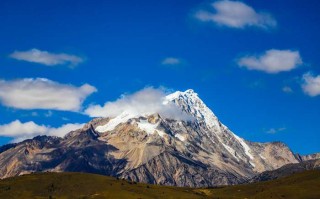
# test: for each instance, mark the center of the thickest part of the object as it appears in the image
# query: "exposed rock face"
(314, 156)
(287, 170)
(150, 148)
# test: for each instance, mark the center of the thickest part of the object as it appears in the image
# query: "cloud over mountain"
(146, 101)
(21, 131)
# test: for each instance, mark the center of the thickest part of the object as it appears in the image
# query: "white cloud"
(311, 84)
(42, 93)
(20, 131)
(46, 58)
(144, 102)
(272, 61)
(171, 61)
(236, 14)
(64, 129)
(276, 130)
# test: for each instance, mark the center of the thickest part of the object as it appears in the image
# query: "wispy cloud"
(235, 14)
(20, 131)
(311, 84)
(272, 61)
(276, 130)
(144, 102)
(171, 61)
(287, 89)
(46, 58)
(48, 114)
(42, 93)
(34, 114)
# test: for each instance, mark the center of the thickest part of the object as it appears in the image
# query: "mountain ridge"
(195, 151)
(287, 170)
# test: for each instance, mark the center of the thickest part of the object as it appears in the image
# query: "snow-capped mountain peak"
(205, 128)
(190, 103)
(151, 144)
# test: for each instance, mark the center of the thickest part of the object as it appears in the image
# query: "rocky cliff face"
(198, 151)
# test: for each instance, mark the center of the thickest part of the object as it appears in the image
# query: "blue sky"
(255, 64)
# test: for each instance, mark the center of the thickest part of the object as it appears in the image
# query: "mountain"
(287, 170)
(196, 150)
(302, 158)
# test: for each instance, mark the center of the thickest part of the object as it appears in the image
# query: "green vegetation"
(82, 185)
(304, 185)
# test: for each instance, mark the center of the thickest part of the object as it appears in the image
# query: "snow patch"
(113, 123)
(196, 107)
(161, 133)
(180, 137)
(262, 157)
(252, 164)
(245, 146)
(147, 127)
(150, 128)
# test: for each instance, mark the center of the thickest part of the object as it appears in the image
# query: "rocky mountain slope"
(197, 151)
(287, 170)
(302, 158)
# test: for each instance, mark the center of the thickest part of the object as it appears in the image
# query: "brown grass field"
(304, 185)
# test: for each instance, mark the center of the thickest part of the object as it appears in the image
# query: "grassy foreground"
(82, 185)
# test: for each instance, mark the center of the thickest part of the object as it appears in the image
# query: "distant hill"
(82, 185)
(304, 185)
(287, 170)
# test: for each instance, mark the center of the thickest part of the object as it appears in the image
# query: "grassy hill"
(304, 185)
(82, 185)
